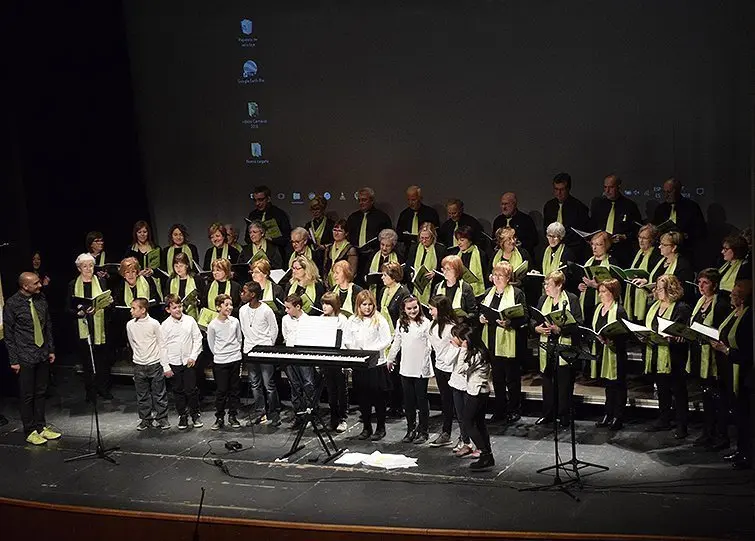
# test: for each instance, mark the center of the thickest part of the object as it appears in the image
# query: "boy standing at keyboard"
(224, 338)
(300, 377)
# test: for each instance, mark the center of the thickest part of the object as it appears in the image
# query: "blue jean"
(302, 380)
(262, 383)
(151, 394)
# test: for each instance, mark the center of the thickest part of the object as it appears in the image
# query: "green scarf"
(547, 309)
(99, 316)
(308, 298)
(307, 254)
(348, 302)
(214, 291)
(706, 370)
(608, 361)
(385, 299)
(552, 263)
(636, 299)
(475, 267)
(171, 252)
(317, 233)
(515, 260)
(142, 290)
(431, 262)
(729, 271)
(175, 284)
(594, 292)
(262, 248)
(505, 339)
(335, 255)
(732, 340)
(100, 259)
(659, 266)
(456, 301)
(223, 253)
(375, 265)
(663, 360)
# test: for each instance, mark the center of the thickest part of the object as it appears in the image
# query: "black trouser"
(616, 393)
(446, 399)
(415, 399)
(32, 383)
(184, 384)
(715, 409)
(673, 388)
(507, 383)
(302, 380)
(151, 394)
(228, 382)
(742, 404)
(100, 382)
(460, 397)
(335, 380)
(396, 392)
(474, 420)
(371, 393)
(565, 376)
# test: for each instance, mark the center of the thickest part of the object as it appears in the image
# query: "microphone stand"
(100, 451)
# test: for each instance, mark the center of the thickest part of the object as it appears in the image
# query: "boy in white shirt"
(150, 370)
(260, 328)
(224, 338)
(300, 377)
(182, 344)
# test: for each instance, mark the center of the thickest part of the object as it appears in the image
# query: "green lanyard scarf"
(636, 299)
(706, 370)
(309, 295)
(375, 265)
(590, 291)
(348, 302)
(223, 253)
(608, 361)
(456, 301)
(385, 299)
(99, 315)
(142, 290)
(659, 267)
(515, 260)
(175, 284)
(336, 253)
(317, 233)
(551, 263)
(663, 353)
(171, 252)
(307, 253)
(214, 291)
(729, 271)
(475, 267)
(731, 338)
(547, 309)
(505, 339)
(430, 263)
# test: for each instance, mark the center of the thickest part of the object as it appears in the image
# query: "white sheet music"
(317, 331)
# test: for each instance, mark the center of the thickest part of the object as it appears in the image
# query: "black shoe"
(544, 421)
(513, 417)
(3, 420)
(183, 422)
(680, 433)
(196, 421)
(719, 444)
(421, 438)
(218, 424)
(484, 463)
(616, 424)
(605, 421)
(743, 463)
(365, 434)
(233, 422)
(410, 435)
(496, 419)
(378, 435)
(733, 457)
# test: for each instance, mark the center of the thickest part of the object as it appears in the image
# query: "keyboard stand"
(312, 415)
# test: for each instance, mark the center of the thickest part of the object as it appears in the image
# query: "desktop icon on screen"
(246, 26)
(256, 150)
(250, 69)
(253, 108)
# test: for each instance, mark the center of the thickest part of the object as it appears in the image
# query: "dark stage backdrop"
(467, 99)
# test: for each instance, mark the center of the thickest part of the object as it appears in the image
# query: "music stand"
(571, 354)
(100, 451)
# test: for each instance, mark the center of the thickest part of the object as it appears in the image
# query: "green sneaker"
(49, 434)
(35, 439)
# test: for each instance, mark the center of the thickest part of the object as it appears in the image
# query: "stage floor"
(655, 485)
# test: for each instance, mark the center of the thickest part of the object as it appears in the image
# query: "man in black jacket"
(412, 217)
(28, 336)
(570, 212)
(456, 219)
(364, 225)
(684, 212)
(520, 222)
(275, 219)
(618, 215)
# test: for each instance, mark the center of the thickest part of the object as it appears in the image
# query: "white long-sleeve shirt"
(369, 333)
(182, 340)
(145, 339)
(224, 338)
(290, 326)
(458, 379)
(258, 325)
(414, 345)
(445, 352)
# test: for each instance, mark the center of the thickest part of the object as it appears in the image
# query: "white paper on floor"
(378, 460)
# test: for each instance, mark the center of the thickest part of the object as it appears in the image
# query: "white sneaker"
(459, 445)
(342, 427)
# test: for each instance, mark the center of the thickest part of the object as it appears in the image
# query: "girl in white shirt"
(475, 359)
(224, 338)
(369, 330)
(335, 377)
(413, 341)
(445, 359)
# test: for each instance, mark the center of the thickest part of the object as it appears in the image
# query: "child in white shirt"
(224, 338)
